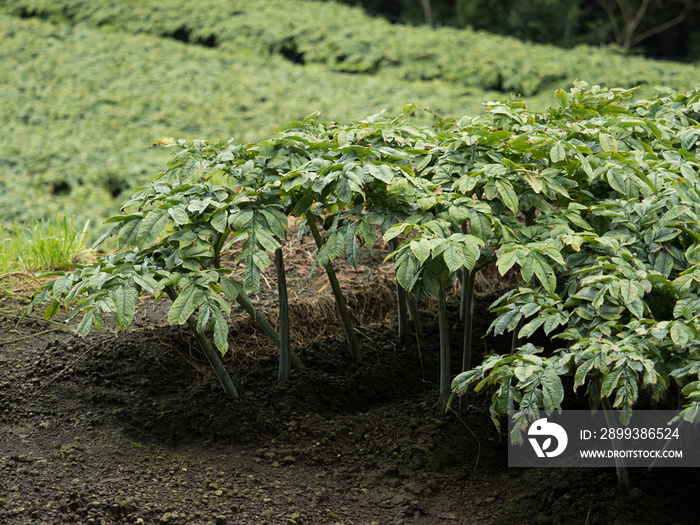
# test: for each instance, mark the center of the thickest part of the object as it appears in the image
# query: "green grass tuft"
(38, 245)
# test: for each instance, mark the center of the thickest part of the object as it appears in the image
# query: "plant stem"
(244, 301)
(444, 346)
(353, 345)
(402, 299)
(620, 463)
(468, 301)
(209, 351)
(414, 314)
(285, 350)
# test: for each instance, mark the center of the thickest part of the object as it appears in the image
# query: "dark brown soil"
(131, 428)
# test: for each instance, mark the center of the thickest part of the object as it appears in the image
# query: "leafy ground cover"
(82, 105)
(86, 87)
(118, 428)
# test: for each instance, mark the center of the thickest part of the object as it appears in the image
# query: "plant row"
(596, 202)
(347, 40)
(80, 106)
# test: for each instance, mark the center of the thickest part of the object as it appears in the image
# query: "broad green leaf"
(458, 214)
(128, 233)
(505, 321)
(179, 214)
(125, 298)
(61, 285)
(52, 309)
(276, 220)
(552, 389)
(335, 245)
(219, 220)
(220, 331)
(381, 172)
(557, 153)
(664, 263)
(480, 224)
(421, 249)
(395, 231)
(230, 288)
(628, 292)
(239, 220)
(406, 270)
(607, 142)
(581, 372)
(611, 381)
(681, 333)
(203, 319)
(185, 304)
(507, 195)
(425, 203)
(453, 257)
(538, 265)
(85, 324)
(506, 260)
(531, 327)
(151, 227)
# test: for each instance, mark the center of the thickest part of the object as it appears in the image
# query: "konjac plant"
(596, 203)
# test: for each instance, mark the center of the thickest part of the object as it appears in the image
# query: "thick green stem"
(468, 292)
(620, 462)
(444, 346)
(218, 245)
(353, 345)
(285, 348)
(414, 314)
(209, 351)
(402, 300)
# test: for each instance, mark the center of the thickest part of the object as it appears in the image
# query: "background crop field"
(85, 88)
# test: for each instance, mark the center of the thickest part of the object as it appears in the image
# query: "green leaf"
(664, 263)
(557, 153)
(681, 333)
(506, 260)
(52, 309)
(203, 319)
(185, 304)
(607, 142)
(581, 372)
(239, 220)
(219, 220)
(611, 381)
(421, 249)
(220, 331)
(85, 324)
(458, 214)
(538, 265)
(230, 288)
(125, 298)
(552, 389)
(406, 270)
(128, 233)
(151, 227)
(179, 214)
(628, 292)
(276, 220)
(530, 328)
(453, 257)
(61, 285)
(381, 172)
(507, 195)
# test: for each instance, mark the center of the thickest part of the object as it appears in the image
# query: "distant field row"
(344, 39)
(80, 107)
(86, 87)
